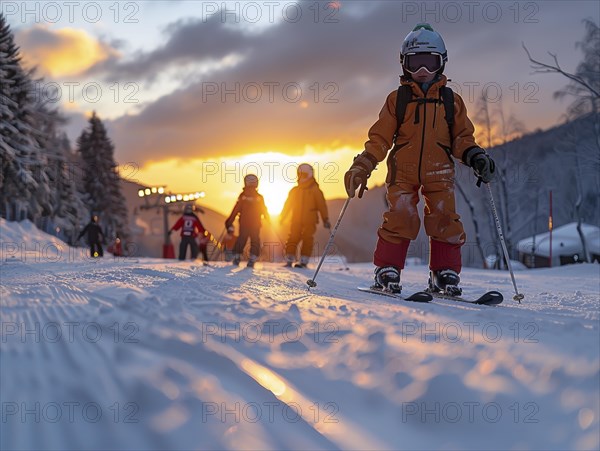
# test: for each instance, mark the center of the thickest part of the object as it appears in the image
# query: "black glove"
(326, 224)
(358, 174)
(481, 162)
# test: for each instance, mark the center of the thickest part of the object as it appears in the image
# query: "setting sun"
(222, 179)
(275, 195)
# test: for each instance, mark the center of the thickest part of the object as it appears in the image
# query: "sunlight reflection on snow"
(264, 377)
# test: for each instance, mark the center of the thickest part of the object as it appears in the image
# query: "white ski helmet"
(305, 171)
(251, 180)
(423, 39)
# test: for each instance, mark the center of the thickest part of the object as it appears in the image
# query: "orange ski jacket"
(304, 202)
(424, 148)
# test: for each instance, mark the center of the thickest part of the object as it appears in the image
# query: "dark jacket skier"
(250, 207)
(95, 236)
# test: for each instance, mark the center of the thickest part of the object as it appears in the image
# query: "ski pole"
(311, 282)
(518, 296)
(217, 247)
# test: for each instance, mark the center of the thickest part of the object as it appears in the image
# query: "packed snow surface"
(155, 354)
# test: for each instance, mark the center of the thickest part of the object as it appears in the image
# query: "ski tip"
(491, 298)
(420, 296)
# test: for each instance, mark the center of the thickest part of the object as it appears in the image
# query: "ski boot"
(251, 261)
(289, 261)
(303, 263)
(236, 261)
(445, 281)
(387, 278)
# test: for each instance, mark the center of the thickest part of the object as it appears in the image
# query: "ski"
(419, 296)
(489, 298)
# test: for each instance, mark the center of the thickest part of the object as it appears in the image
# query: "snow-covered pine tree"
(101, 180)
(68, 211)
(23, 182)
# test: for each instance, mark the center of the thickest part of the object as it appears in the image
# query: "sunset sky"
(195, 98)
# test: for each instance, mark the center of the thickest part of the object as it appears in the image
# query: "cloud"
(353, 62)
(187, 42)
(62, 52)
(313, 88)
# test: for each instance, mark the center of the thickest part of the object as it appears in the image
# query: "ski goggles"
(432, 62)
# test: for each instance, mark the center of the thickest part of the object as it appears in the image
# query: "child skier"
(190, 227)
(418, 125)
(95, 236)
(116, 248)
(251, 208)
(304, 202)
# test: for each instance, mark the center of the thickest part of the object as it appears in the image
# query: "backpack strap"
(403, 97)
(448, 100)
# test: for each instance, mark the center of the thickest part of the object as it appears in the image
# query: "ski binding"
(419, 296)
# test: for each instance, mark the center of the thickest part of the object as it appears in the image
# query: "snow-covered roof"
(565, 241)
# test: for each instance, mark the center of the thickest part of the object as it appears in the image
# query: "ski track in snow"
(231, 358)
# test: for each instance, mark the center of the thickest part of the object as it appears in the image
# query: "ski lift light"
(202, 194)
(147, 191)
(141, 193)
(167, 199)
(186, 197)
(179, 197)
(173, 198)
(161, 190)
(154, 190)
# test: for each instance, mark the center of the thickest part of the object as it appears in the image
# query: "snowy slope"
(155, 354)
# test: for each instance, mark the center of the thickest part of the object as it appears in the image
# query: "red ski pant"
(304, 233)
(401, 225)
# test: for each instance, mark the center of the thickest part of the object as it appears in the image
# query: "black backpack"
(403, 98)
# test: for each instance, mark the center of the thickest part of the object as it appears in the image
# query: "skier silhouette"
(95, 236)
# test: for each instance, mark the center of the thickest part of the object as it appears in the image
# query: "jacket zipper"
(422, 139)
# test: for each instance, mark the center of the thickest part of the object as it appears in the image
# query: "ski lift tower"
(154, 199)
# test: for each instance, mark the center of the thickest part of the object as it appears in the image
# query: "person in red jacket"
(250, 207)
(190, 227)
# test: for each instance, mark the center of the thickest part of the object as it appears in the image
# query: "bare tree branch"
(540, 67)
